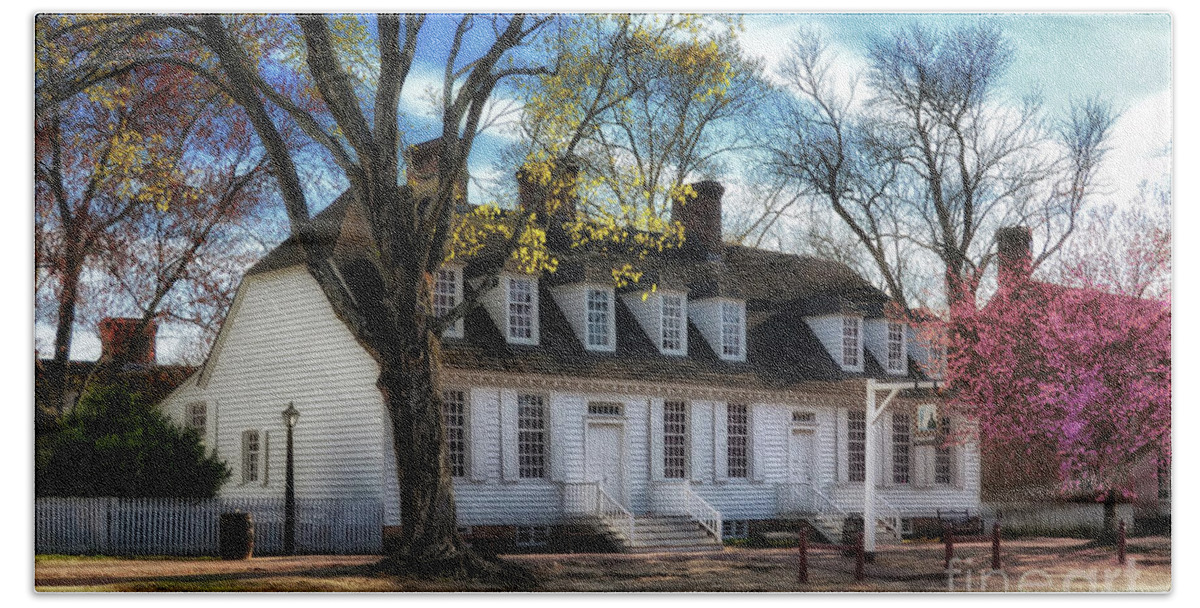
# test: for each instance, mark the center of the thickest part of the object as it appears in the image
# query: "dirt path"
(1030, 565)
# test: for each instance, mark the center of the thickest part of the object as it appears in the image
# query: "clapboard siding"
(177, 407)
(567, 436)
(740, 499)
(911, 502)
(770, 440)
(527, 502)
(913, 499)
(283, 344)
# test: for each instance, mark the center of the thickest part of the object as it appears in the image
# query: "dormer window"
(447, 293)
(672, 326)
(522, 310)
(851, 341)
(733, 331)
(600, 321)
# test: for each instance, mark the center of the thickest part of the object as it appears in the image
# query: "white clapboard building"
(728, 401)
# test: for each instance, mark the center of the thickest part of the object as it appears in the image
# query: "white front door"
(605, 462)
(800, 448)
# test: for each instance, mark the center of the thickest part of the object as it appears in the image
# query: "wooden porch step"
(652, 533)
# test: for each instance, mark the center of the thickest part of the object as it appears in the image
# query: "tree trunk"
(429, 541)
(428, 517)
(51, 406)
(409, 381)
(1108, 532)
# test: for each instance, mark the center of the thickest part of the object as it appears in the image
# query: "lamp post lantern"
(290, 417)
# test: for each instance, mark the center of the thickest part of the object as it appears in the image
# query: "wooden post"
(948, 539)
(1121, 543)
(804, 553)
(996, 546)
(859, 554)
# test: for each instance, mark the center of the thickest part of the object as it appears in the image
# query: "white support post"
(873, 414)
(869, 477)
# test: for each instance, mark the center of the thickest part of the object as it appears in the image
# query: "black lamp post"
(290, 417)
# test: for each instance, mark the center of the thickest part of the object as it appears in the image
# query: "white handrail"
(591, 499)
(615, 512)
(699, 510)
(893, 514)
(828, 503)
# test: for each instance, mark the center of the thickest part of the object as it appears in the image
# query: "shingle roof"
(779, 289)
(327, 225)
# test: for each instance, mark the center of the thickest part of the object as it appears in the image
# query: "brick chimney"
(534, 197)
(421, 169)
(117, 339)
(1015, 254)
(701, 219)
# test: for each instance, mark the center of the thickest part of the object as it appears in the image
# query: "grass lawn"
(1032, 564)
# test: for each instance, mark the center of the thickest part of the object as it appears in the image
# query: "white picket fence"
(172, 526)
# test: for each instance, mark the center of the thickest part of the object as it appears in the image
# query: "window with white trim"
(521, 309)
(943, 455)
(675, 440)
(605, 408)
(446, 296)
(198, 417)
(901, 447)
(251, 456)
(454, 421)
(851, 341)
(733, 330)
(856, 445)
(599, 318)
(895, 347)
(673, 324)
(531, 436)
(737, 447)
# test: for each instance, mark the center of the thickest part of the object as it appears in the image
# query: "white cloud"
(1140, 148)
(771, 40)
(85, 345)
(175, 343)
(414, 98)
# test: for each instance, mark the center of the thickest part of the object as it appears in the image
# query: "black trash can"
(237, 535)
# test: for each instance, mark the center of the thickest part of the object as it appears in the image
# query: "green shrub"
(114, 444)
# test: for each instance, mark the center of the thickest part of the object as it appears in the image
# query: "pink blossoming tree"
(1079, 373)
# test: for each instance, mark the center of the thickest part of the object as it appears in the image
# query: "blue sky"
(1123, 58)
